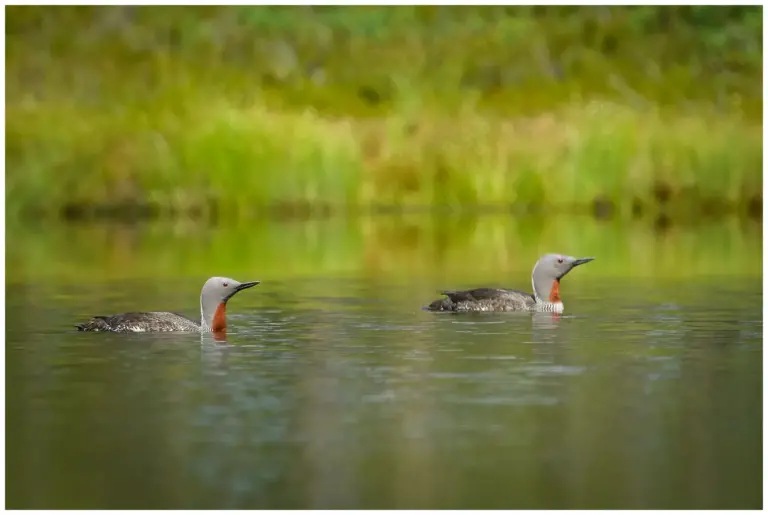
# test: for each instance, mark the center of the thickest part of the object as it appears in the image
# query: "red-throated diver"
(213, 307)
(547, 272)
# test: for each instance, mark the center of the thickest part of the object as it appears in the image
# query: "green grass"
(235, 160)
(234, 111)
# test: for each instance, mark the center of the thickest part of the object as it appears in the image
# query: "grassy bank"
(233, 161)
(232, 111)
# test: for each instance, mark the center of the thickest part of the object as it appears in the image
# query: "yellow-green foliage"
(235, 110)
(235, 160)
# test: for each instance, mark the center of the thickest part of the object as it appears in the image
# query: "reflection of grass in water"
(487, 248)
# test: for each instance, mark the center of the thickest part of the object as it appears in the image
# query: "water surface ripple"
(351, 396)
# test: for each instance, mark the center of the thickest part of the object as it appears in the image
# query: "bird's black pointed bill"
(244, 286)
(582, 261)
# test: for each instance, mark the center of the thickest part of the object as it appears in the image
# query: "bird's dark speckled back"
(484, 299)
(154, 321)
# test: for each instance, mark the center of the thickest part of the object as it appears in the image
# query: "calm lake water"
(340, 392)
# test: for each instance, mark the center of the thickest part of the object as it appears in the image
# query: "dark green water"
(342, 393)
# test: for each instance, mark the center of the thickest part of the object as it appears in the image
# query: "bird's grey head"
(550, 268)
(218, 290)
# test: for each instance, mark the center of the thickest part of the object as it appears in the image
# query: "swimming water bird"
(547, 272)
(213, 307)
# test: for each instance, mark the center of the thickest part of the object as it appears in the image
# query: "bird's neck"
(554, 292)
(549, 299)
(215, 319)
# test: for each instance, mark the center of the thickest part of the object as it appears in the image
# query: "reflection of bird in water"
(213, 307)
(545, 321)
(546, 276)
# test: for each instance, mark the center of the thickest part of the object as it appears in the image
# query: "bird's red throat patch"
(219, 323)
(554, 293)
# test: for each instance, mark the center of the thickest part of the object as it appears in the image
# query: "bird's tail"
(444, 304)
(97, 323)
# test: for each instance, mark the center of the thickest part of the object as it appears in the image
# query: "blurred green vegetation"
(229, 111)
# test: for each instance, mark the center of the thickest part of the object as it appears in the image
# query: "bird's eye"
(226, 284)
(559, 260)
